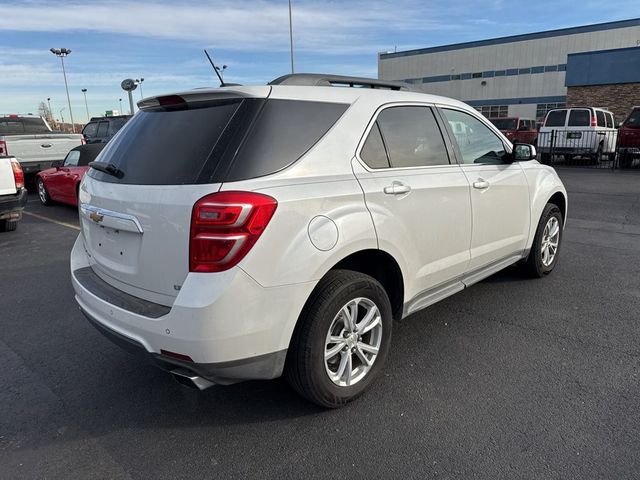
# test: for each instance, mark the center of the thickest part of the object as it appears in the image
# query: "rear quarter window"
(600, 116)
(283, 132)
(556, 118)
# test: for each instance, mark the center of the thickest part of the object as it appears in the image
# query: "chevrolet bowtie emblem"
(96, 217)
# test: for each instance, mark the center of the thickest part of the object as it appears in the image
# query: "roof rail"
(328, 80)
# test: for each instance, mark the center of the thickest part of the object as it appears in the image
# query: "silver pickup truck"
(30, 139)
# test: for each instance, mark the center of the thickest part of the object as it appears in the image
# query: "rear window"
(505, 123)
(556, 118)
(29, 126)
(601, 121)
(227, 140)
(90, 129)
(579, 118)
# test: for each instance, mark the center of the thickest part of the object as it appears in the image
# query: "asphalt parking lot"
(512, 378)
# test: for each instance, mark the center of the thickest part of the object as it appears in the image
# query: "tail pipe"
(190, 379)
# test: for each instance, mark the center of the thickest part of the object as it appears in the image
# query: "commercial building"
(526, 75)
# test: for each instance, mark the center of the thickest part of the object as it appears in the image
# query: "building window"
(494, 111)
(512, 71)
(500, 73)
(543, 108)
(551, 68)
(562, 67)
(476, 75)
(488, 74)
(523, 71)
(455, 77)
(537, 69)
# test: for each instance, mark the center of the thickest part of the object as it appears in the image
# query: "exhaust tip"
(190, 379)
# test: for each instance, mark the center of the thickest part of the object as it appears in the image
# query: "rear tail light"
(18, 174)
(4, 152)
(594, 121)
(225, 226)
(83, 141)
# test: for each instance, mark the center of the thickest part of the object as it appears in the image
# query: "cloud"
(353, 27)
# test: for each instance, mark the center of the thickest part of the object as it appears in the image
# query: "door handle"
(481, 184)
(397, 188)
(46, 145)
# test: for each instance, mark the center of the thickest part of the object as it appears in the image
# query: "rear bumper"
(11, 206)
(232, 328)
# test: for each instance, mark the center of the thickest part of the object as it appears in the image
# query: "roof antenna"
(215, 69)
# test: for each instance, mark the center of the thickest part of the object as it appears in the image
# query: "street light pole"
(139, 82)
(120, 100)
(49, 104)
(291, 35)
(62, 117)
(63, 52)
(84, 90)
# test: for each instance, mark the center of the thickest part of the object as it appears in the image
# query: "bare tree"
(43, 111)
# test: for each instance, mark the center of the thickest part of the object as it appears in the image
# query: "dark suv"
(629, 139)
(101, 129)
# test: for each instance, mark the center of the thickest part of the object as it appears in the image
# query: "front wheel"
(8, 226)
(342, 339)
(543, 256)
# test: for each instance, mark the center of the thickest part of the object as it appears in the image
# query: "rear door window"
(601, 120)
(634, 119)
(579, 118)
(103, 129)
(412, 137)
(556, 118)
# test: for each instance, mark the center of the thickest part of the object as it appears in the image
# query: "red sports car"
(60, 184)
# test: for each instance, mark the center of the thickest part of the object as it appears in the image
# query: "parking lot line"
(47, 219)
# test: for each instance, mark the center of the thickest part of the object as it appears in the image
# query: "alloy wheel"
(550, 240)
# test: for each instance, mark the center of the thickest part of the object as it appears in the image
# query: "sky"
(162, 41)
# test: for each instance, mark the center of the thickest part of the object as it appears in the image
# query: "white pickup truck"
(13, 195)
(31, 141)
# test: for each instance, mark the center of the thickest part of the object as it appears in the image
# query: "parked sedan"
(60, 184)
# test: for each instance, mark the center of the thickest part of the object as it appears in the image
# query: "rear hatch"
(136, 220)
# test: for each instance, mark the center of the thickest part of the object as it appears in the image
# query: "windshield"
(504, 123)
(634, 119)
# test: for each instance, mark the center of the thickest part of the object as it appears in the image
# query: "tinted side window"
(283, 132)
(90, 129)
(477, 143)
(373, 152)
(103, 129)
(579, 118)
(601, 120)
(610, 122)
(556, 118)
(412, 137)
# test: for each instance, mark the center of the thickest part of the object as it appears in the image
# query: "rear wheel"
(8, 225)
(341, 340)
(543, 256)
(43, 195)
(625, 160)
(598, 157)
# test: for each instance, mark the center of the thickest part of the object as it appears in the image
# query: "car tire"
(538, 263)
(625, 160)
(323, 329)
(43, 195)
(598, 157)
(8, 225)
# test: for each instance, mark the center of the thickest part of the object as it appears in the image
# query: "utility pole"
(61, 53)
(291, 35)
(84, 90)
(62, 117)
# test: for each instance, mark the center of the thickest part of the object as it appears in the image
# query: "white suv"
(248, 232)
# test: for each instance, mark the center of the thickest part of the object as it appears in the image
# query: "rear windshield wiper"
(108, 168)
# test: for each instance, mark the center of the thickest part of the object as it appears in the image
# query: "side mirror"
(523, 152)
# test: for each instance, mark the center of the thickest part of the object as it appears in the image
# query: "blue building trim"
(603, 67)
(517, 101)
(634, 22)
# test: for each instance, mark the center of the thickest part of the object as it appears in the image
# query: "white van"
(579, 131)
